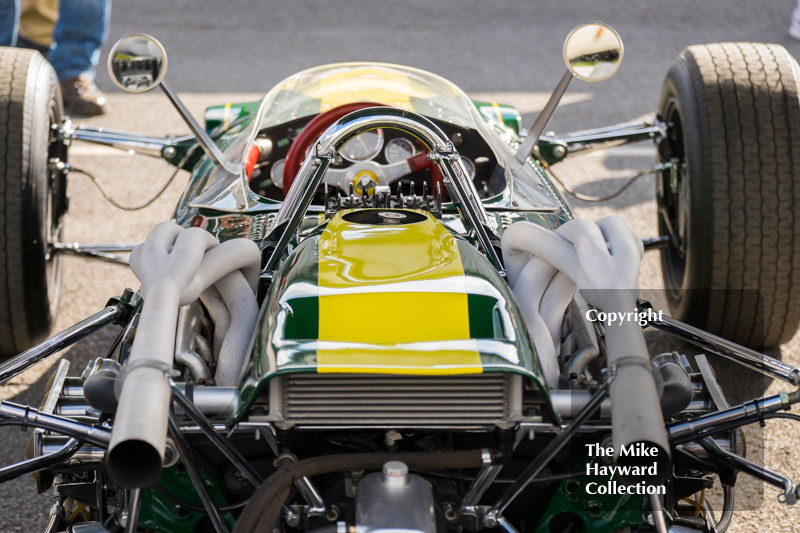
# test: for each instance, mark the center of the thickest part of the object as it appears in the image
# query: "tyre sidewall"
(689, 300)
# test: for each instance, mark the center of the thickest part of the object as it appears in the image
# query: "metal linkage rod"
(28, 416)
(725, 348)
(733, 417)
(195, 477)
(789, 495)
(134, 503)
(549, 452)
(36, 464)
(18, 364)
(224, 446)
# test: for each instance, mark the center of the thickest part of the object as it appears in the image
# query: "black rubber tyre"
(32, 198)
(733, 265)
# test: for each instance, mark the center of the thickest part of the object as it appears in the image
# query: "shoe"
(82, 97)
(794, 27)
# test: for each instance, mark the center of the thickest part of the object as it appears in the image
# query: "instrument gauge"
(399, 149)
(363, 147)
(276, 173)
(469, 166)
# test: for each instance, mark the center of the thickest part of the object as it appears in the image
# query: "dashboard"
(382, 146)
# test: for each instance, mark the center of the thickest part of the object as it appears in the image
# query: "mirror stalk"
(541, 121)
(203, 138)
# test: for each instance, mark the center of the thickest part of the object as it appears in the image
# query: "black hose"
(263, 512)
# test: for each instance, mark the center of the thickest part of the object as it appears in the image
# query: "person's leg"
(9, 22)
(79, 34)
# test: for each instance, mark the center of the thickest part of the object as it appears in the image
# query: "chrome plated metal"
(42, 462)
(28, 416)
(203, 138)
(124, 140)
(505, 525)
(134, 503)
(104, 252)
(790, 490)
(479, 485)
(462, 188)
(657, 509)
(730, 418)
(547, 454)
(58, 342)
(728, 349)
(86, 457)
(316, 505)
(310, 175)
(609, 136)
(526, 147)
(182, 448)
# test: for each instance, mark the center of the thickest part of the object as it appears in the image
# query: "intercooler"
(384, 400)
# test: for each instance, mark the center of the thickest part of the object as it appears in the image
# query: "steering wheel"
(363, 175)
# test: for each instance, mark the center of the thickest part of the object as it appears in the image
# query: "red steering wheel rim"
(310, 134)
(320, 123)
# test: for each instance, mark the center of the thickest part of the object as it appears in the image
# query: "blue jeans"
(79, 34)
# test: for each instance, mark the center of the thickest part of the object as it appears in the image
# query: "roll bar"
(440, 150)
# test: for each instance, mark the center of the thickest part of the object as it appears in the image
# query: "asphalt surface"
(504, 51)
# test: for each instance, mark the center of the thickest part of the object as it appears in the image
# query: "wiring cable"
(595, 199)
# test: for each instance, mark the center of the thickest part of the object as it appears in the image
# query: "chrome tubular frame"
(725, 348)
(28, 416)
(37, 464)
(105, 251)
(69, 336)
(123, 140)
(441, 151)
(630, 132)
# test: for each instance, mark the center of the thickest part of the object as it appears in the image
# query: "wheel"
(32, 198)
(732, 208)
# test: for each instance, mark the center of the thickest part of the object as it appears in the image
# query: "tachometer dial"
(364, 147)
(399, 149)
(276, 173)
(469, 166)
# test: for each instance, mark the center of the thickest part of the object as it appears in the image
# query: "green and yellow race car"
(372, 309)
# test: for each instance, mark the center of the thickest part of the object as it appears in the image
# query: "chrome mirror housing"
(137, 63)
(593, 52)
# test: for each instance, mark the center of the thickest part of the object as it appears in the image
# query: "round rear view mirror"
(137, 63)
(593, 51)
